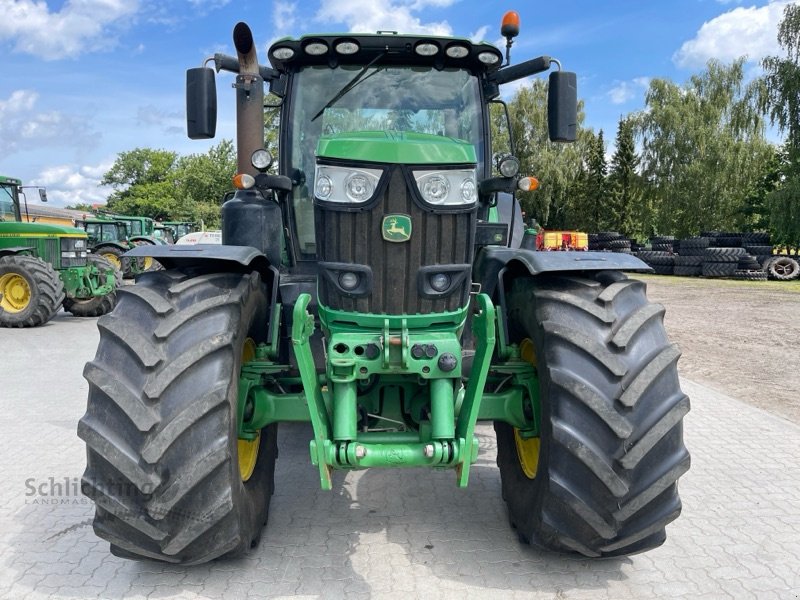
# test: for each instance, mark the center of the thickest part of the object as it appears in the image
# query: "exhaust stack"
(249, 100)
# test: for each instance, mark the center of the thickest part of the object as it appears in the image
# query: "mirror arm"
(223, 62)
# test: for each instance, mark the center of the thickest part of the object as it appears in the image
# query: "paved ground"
(388, 535)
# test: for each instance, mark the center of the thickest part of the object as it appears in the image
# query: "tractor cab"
(9, 199)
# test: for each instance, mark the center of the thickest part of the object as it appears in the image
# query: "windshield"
(385, 98)
(8, 208)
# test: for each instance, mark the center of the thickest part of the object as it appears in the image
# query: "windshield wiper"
(348, 86)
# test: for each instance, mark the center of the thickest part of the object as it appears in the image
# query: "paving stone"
(405, 533)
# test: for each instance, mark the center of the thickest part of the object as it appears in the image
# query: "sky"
(84, 80)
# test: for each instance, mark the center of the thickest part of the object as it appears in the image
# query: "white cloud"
(751, 31)
(369, 16)
(168, 122)
(420, 4)
(480, 34)
(25, 127)
(80, 26)
(70, 184)
(283, 15)
(624, 91)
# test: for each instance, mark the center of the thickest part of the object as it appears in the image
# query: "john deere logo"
(396, 228)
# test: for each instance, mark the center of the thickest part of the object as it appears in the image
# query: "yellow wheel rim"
(113, 259)
(248, 456)
(528, 454)
(527, 448)
(527, 352)
(148, 263)
(248, 449)
(15, 293)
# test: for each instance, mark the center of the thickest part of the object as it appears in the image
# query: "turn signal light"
(528, 184)
(243, 181)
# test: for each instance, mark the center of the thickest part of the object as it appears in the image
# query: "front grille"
(356, 237)
(70, 245)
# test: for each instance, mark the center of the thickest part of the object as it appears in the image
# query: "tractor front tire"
(163, 458)
(30, 291)
(116, 257)
(96, 306)
(601, 478)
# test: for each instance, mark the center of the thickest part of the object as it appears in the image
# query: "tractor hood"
(16, 229)
(398, 147)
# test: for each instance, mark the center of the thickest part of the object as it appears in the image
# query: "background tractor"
(109, 238)
(375, 288)
(182, 228)
(43, 267)
(140, 231)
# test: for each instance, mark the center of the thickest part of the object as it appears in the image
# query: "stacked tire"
(721, 262)
(662, 262)
(689, 261)
(611, 241)
(663, 243)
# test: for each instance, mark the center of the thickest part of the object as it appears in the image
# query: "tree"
(144, 183)
(781, 83)
(596, 183)
(624, 184)
(161, 185)
(780, 96)
(203, 180)
(701, 144)
(557, 166)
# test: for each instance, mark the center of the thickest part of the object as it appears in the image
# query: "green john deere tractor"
(43, 267)
(182, 228)
(375, 288)
(109, 238)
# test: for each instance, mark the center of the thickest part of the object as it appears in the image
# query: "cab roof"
(289, 54)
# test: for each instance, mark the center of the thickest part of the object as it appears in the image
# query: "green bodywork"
(429, 413)
(53, 244)
(394, 390)
(396, 147)
(383, 400)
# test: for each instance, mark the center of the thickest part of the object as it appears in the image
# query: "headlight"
(345, 184)
(448, 188)
(261, 159)
(80, 244)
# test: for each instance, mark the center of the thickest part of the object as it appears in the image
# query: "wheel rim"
(527, 448)
(15, 293)
(248, 449)
(113, 259)
(148, 263)
(528, 454)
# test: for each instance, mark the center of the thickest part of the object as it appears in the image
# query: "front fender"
(116, 245)
(146, 239)
(491, 260)
(218, 256)
(15, 250)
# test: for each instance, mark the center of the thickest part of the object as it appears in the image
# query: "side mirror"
(562, 106)
(201, 103)
(43, 194)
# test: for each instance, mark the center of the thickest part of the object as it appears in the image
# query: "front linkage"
(411, 358)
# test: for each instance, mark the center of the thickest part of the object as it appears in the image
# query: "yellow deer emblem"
(396, 228)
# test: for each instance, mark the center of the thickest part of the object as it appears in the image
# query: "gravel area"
(742, 338)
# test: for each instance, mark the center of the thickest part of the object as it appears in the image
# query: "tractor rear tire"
(115, 256)
(96, 306)
(163, 464)
(30, 291)
(611, 440)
